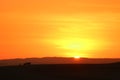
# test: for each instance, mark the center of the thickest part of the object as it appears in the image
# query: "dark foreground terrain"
(61, 72)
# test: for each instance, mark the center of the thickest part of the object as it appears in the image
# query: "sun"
(77, 57)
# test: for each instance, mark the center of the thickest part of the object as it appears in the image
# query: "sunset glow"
(62, 28)
(77, 57)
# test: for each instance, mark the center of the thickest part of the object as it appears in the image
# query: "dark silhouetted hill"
(56, 60)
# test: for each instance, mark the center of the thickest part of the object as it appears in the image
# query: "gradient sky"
(63, 28)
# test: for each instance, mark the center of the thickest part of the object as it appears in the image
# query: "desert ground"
(61, 72)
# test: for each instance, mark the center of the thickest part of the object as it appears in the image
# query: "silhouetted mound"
(61, 72)
(27, 64)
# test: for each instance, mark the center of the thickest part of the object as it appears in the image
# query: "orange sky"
(63, 28)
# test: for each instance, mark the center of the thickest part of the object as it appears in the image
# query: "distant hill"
(56, 60)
